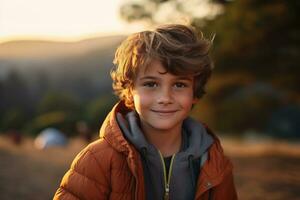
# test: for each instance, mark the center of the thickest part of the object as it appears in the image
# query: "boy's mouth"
(164, 112)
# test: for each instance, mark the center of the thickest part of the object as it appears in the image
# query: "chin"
(164, 126)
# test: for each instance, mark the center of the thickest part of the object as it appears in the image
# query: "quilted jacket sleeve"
(86, 179)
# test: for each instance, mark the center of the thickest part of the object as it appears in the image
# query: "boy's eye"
(150, 84)
(180, 85)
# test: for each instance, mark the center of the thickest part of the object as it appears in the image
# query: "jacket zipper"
(167, 178)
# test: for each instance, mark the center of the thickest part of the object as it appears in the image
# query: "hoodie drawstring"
(192, 172)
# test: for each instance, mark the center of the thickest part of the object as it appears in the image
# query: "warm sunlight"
(59, 20)
(228, 103)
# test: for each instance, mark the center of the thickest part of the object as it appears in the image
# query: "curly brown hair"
(180, 48)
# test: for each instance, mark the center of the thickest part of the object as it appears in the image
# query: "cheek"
(141, 99)
(186, 100)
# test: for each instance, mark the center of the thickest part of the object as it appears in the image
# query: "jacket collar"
(111, 132)
(215, 169)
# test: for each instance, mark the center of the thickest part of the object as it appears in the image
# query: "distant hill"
(79, 67)
(40, 49)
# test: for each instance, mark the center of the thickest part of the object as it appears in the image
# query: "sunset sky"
(60, 19)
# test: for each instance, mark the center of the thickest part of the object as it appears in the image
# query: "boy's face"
(161, 99)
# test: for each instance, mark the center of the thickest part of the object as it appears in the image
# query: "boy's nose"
(165, 96)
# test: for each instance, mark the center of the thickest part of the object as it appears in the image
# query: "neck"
(166, 141)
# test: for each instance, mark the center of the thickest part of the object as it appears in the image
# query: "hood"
(195, 138)
(111, 132)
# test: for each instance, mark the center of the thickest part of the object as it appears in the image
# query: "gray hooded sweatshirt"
(184, 167)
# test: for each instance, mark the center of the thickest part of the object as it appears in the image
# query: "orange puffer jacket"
(111, 168)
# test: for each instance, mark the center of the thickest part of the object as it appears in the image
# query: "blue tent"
(50, 137)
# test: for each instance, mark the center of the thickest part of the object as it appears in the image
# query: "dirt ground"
(268, 170)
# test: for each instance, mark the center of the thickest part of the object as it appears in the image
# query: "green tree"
(58, 101)
(97, 110)
(260, 37)
(56, 109)
(14, 91)
(13, 119)
(162, 11)
(15, 101)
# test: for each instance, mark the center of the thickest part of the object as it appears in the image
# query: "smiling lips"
(164, 112)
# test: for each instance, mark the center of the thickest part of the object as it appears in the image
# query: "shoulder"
(93, 161)
(219, 172)
(217, 159)
(98, 154)
(90, 173)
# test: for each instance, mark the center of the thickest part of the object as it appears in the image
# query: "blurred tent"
(50, 137)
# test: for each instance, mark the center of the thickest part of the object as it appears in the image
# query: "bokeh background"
(55, 59)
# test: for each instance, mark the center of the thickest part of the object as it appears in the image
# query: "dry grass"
(265, 170)
(268, 170)
(29, 173)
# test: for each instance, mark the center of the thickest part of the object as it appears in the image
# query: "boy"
(149, 148)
